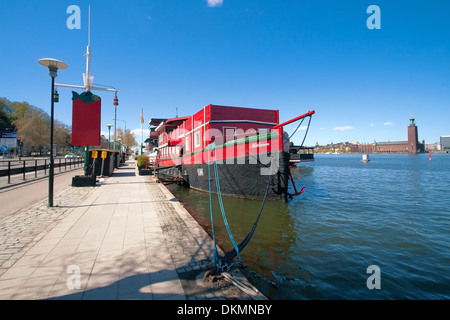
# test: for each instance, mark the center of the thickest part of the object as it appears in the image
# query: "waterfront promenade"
(126, 238)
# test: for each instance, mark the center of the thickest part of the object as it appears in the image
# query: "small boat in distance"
(365, 158)
(299, 154)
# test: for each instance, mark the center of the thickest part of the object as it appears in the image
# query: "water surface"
(392, 212)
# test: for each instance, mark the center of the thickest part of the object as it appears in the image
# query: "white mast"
(87, 78)
(142, 130)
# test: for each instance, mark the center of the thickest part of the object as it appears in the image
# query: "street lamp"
(125, 134)
(53, 65)
(115, 103)
(109, 139)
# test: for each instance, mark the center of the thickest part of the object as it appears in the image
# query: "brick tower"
(413, 140)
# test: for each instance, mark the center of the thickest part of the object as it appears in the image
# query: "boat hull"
(238, 177)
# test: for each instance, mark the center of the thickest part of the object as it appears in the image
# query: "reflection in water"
(274, 239)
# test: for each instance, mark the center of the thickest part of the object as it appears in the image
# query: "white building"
(445, 142)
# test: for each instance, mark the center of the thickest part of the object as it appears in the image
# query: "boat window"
(229, 134)
(187, 144)
(263, 130)
(197, 139)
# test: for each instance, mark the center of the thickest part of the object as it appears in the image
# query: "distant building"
(431, 147)
(391, 147)
(445, 143)
(411, 146)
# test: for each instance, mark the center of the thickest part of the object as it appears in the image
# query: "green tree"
(5, 116)
(33, 126)
(34, 129)
(61, 136)
(127, 138)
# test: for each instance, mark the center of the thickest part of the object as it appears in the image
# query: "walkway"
(126, 238)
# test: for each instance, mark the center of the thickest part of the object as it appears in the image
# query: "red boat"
(245, 149)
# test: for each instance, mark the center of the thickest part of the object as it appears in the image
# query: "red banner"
(86, 116)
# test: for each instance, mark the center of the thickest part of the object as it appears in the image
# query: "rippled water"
(392, 212)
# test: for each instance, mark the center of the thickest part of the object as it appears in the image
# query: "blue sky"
(291, 55)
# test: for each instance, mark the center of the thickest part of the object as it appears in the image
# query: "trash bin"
(103, 162)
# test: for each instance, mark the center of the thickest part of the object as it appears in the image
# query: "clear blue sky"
(290, 55)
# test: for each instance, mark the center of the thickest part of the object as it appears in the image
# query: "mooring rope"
(224, 216)
(211, 147)
(306, 133)
(296, 129)
(212, 219)
(225, 263)
(232, 253)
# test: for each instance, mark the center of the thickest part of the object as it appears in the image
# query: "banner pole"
(86, 160)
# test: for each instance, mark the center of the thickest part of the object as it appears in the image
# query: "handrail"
(22, 168)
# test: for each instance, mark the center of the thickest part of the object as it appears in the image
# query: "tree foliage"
(32, 125)
(126, 138)
(5, 116)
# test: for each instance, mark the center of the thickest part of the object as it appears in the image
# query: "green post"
(86, 159)
(86, 155)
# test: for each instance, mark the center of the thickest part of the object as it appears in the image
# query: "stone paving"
(25, 228)
(126, 238)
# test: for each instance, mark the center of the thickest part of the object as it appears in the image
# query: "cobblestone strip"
(23, 229)
(187, 253)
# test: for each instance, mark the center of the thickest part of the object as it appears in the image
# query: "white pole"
(142, 131)
(115, 127)
(87, 80)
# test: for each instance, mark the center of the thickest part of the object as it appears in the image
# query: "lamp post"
(124, 135)
(109, 139)
(115, 103)
(53, 65)
(120, 150)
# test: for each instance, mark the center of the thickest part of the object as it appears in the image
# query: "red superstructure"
(243, 140)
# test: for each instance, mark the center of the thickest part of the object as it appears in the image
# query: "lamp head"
(53, 65)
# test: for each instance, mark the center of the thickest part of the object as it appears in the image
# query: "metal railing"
(10, 168)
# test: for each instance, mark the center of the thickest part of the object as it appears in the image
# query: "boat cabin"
(221, 125)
